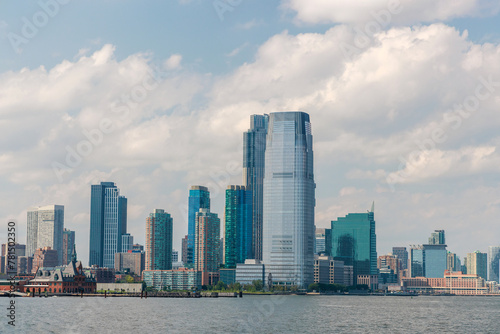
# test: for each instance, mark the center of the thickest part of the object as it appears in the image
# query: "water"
(256, 314)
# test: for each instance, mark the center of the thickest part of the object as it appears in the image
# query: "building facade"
(68, 244)
(452, 282)
(254, 149)
(402, 254)
(12, 265)
(207, 245)
(355, 243)
(44, 258)
(329, 271)
(108, 222)
(199, 198)
(45, 229)
(289, 200)
(477, 264)
(181, 279)
(159, 234)
(131, 262)
(127, 242)
(493, 263)
(251, 270)
(453, 262)
(238, 226)
(437, 238)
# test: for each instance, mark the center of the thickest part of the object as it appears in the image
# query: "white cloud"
(394, 11)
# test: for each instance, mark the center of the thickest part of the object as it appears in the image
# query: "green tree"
(129, 279)
(258, 285)
(220, 286)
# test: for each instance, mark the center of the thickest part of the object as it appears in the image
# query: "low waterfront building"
(370, 280)
(120, 287)
(227, 276)
(455, 283)
(181, 279)
(251, 270)
(329, 271)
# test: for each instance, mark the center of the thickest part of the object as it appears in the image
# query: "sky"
(404, 99)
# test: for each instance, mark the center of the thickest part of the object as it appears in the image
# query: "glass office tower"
(493, 263)
(108, 222)
(45, 229)
(199, 198)
(159, 234)
(288, 211)
(355, 243)
(238, 226)
(254, 149)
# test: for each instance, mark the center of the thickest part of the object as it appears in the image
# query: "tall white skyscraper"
(289, 200)
(493, 263)
(45, 229)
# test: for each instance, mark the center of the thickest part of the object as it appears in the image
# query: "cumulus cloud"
(370, 110)
(387, 12)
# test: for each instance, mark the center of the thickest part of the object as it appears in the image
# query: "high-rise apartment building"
(207, 245)
(289, 200)
(437, 238)
(45, 229)
(159, 232)
(108, 222)
(477, 264)
(199, 198)
(254, 149)
(493, 263)
(238, 226)
(453, 262)
(354, 241)
(184, 246)
(68, 245)
(402, 254)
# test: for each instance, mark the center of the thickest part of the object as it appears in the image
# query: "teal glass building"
(355, 243)
(199, 198)
(159, 234)
(238, 226)
(254, 150)
(428, 261)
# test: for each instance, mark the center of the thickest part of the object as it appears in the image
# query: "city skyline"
(387, 128)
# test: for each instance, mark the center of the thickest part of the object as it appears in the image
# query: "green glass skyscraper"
(354, 241)
(238, 226)
(199, 198)
(159, 230)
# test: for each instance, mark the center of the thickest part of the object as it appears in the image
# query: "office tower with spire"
(199, 198)
(289, 200)
(45, 229)
(159, 234)
(108, 222)
(354, 242)
(238, 226)
(254, 149)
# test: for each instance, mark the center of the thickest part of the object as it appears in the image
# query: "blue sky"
(371, 111)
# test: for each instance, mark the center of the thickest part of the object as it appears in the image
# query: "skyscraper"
(477, 264)
(428, 261)
(199, 198)
(238, 226)
(68, 244)
(288, 209)
(108, 222)
(207, 248)
(159, 232)
(402, 254)
(45, 229)
(453, 262)
(493, 263)
(254, 149)
(354, 241)
(184, 246)
(437, 238)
